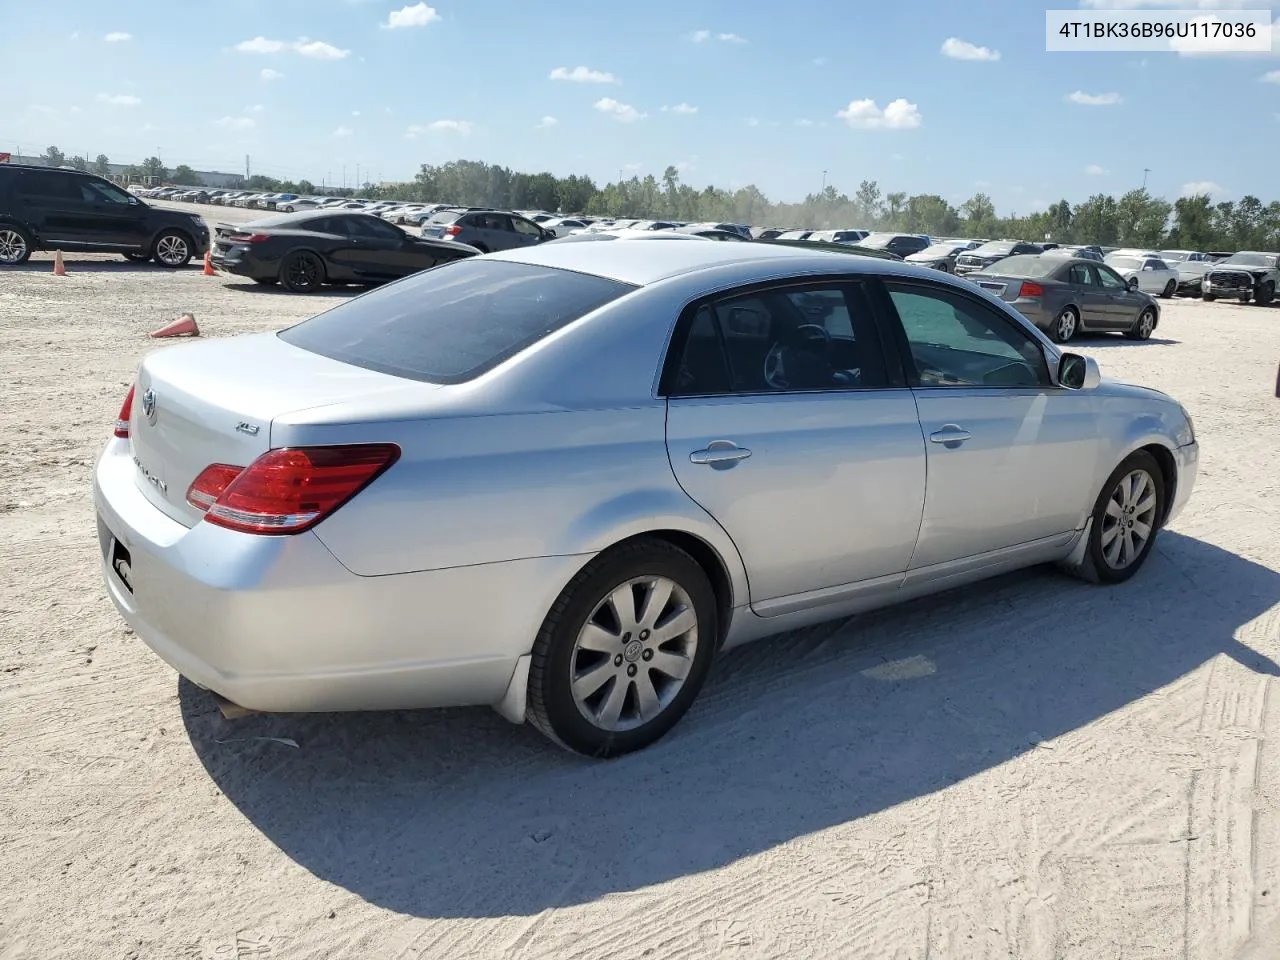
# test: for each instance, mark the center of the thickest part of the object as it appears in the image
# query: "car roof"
(642, 264)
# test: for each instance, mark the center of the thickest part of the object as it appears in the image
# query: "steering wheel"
(775, 374)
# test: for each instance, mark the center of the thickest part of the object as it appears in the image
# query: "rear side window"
(452, 323)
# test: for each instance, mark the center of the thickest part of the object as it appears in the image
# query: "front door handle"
(720, 451)
(950, 433)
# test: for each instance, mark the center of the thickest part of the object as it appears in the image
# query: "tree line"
(1135, 219)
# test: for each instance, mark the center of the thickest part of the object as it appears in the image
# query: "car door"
(337, 245)
(1119, 301)
(786, 424)
(1011, 458)
(119, 217)
(527, 233)
(53, 204)
(1092, 300)
(378, 250)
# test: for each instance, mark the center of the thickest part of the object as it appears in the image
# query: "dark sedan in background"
(303, 251)
(1064, 296)
(991, 252)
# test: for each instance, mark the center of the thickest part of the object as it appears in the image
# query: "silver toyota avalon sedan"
(560, 480)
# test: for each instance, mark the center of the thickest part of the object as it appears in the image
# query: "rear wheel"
(15, 245)
(624, 650)
(1065, 325)
(1143, 326)
(302, 272)
(172, 249)
(1125, 521)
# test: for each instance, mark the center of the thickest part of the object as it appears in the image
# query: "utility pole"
(1145, 171)
(357, 177)
(824, 181)
(246, 166)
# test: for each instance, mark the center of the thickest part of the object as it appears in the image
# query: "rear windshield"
(1024, 265)
(996, 246)
(449, 216)
(1124, 263)
(452, 323)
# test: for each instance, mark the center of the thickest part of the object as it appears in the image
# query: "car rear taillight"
(453, 231)
(1029, 289)
(122, 419)
(288, 490)
(248, 237)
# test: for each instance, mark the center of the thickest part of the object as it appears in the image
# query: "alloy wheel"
(1066, 325)
(171, 250)
(13, 247)
(304, 273)
(1146, 323)
(633, 654)
(1129, 519)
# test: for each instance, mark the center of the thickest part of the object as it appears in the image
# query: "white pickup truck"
(1247, 275)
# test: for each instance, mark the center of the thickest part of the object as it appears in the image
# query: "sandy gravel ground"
(1034, 769)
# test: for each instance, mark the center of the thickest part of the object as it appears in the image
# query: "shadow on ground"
(43, 263)
(239, 285)
(1092, 340)
(460, 814)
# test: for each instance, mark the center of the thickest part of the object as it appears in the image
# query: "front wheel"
(624, 650)
(15, 245)
(1064, 325)
(172, 249)
(1125, 521)
(302, 272)
(1207, 297)
(1170, 289)
(1266, 293)
(1143, 326)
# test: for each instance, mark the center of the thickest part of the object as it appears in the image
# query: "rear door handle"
(950, 433)
(720, 451)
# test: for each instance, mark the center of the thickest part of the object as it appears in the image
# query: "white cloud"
(582, 75)
(342, 132)
(41, 108)
(119, 99)
(462, 127)
(546, 123)
(1096, 170)
(621, 111)
(418, 15)
(899, 114)
(269, 74)
(256, 108)
(76, 35)
(700, 36)
(632, 167)
(958, 49)
(260, 45)
(118, 36)
(319, 50)
(1196, 187)
(355, 113)
(730, 38)
(1094, 99)
(1271, 77)
(753, 121)
(684, 109)
(802, 122)
(236, 123)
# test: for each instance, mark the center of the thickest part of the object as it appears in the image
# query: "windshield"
(994, 248)
(1124, 263)
(1023, 265)
(1249, 260)
(451, 323)
(1174, 254)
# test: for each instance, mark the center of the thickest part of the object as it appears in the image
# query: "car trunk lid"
(215, 402)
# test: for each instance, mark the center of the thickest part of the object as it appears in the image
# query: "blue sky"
(923, 96)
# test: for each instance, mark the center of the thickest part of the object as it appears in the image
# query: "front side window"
(781, 340)
(95, 191)
(520, 225)
(957, 342)
(1110, 279)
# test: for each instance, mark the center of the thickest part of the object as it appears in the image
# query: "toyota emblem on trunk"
(149, 405)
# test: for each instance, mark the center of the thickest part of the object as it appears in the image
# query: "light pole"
(1145, 171)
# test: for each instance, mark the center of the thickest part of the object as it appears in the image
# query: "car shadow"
(43, 263)
(1104, 339)
(277, 290)
(457, 813)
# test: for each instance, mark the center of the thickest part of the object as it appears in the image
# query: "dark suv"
(486, 230)
(43, 208)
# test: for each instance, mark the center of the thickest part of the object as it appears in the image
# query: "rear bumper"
(278, 624)
(244, 263)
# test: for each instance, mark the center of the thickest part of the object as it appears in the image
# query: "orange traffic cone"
(208, 264)
(59, 268)
(184, 326)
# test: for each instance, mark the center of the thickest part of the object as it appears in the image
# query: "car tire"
(1208, 297)
(287, 208)
(15, 245)
(1064, 325)
(1119, 514)
(600, 713)
(1266, 293)
(302, 272)
(138, 257)
(1144, 326)
(1170, 289)
(172, 248)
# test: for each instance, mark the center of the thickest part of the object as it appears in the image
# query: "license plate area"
(122, 563)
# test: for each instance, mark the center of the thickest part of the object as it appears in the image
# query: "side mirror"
(1133, 283)
(1078, 373)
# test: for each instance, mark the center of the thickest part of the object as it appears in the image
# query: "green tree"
(185, 176)
(102, 166)
(1096, 220)
(979, 216)
(79, 163)
(152, 167)
(53, 157)
(1060, 217)
(867, 209)
(1193, 223)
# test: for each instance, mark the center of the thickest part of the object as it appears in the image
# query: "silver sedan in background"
(1064, 296)
(561, 480)
(942, 255)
